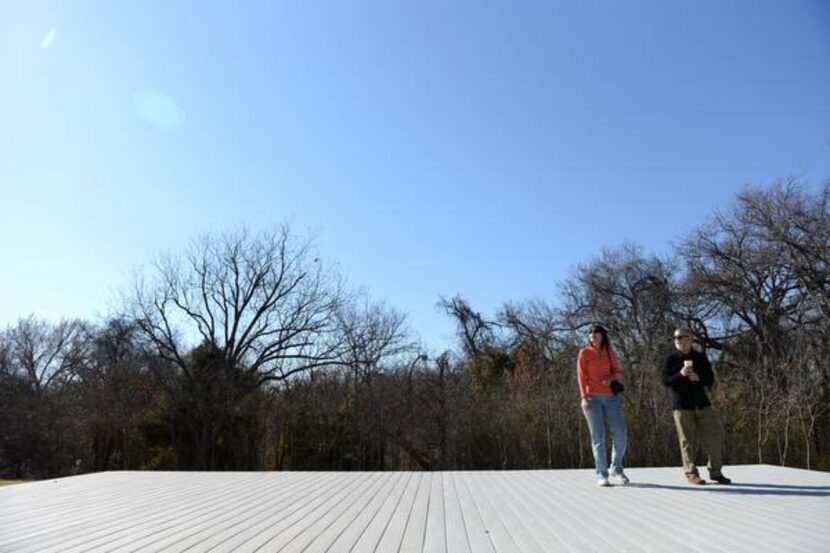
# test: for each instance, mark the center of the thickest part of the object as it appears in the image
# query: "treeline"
(293, 371)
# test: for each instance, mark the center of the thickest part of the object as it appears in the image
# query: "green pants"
(696, 428)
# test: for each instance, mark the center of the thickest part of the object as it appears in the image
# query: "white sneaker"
(620, 478)
(603, 482)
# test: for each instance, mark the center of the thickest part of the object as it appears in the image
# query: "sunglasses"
(681, 336)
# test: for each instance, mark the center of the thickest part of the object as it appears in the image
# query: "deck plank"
(435, 538)
(455, 527)
(412, 540)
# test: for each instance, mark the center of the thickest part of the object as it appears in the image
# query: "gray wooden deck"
(767, 509)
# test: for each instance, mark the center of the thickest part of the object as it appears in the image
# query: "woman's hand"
(586, 405)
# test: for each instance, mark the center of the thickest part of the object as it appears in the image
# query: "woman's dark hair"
(605, 343)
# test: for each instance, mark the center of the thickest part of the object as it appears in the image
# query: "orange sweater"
(592, 367)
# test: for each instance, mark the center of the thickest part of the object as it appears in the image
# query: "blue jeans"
(606, 408)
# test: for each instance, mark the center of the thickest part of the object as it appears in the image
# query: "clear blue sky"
(433, 147)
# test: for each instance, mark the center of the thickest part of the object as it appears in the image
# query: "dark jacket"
(688, 394)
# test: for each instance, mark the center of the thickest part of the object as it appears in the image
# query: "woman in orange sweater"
(596, 367)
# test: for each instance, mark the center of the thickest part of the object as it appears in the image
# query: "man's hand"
(586, 405)
(689, 372)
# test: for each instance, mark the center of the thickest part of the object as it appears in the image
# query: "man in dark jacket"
(688, 373)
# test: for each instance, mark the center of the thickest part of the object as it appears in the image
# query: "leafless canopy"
(42, 353)
(263, 301)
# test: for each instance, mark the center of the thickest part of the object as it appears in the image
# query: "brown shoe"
(720, 479)
(695, 479)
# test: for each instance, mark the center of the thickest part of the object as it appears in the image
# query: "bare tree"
(545, 352)
(474, 331)
(628, 293)
(786, 213)
(375, 337)
(114, 392)
(263, 301)
(44, 354)
(37, 360)
(371, 333)
(236, 311)
(538, 323)
(744, 279)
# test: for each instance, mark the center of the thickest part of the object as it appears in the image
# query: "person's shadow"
(744, 488)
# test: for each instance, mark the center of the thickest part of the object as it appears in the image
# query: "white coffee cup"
(687, 363)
